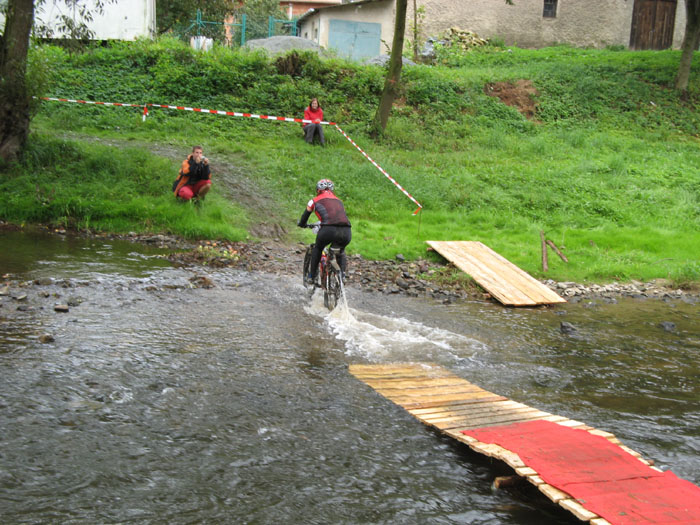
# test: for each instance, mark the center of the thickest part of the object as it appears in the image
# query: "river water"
(160, 402)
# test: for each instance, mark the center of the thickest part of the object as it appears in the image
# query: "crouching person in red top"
(314, 113)
(335, 226)
(195, 177)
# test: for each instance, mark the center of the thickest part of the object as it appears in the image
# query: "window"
(550, 9)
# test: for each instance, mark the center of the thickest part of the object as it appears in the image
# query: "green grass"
(103, 188)
(609, 171)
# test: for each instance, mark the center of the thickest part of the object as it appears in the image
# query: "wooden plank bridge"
(500, 277)
(462, 410)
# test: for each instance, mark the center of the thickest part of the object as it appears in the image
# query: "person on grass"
(314, 113)
(195, 177)
(335, 226)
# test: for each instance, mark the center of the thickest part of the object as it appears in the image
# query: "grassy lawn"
(608, 166)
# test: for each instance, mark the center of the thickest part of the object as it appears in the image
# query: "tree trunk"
(690, 44)
(394, 75)
(415, 31)
(14, 99)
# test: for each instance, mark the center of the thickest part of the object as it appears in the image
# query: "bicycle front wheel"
(307, 264)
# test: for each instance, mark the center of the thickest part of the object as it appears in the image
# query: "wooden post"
(545, 265)
(507, 481)
(558, 252)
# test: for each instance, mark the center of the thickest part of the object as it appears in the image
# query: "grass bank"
(608, 167)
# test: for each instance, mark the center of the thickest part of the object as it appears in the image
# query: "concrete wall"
(125, 20)
(315, 26)
(581, 23)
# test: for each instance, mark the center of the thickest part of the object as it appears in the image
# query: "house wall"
(125, 20)
(374, 12)
(581, 23)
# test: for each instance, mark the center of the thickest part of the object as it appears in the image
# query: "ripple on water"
(182, 404)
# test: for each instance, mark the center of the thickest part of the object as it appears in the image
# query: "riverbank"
(603, 169)
(440, 281)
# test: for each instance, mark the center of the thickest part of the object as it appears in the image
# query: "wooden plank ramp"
(445, 401)
(500, 277)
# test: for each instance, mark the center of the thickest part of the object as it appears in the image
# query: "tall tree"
(393, 77)
(391, 83)
(691, 41)
(14, 99)
(15, 95)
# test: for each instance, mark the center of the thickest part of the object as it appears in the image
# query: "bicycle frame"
(329, 273)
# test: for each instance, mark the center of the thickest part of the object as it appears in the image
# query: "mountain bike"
(329, 277)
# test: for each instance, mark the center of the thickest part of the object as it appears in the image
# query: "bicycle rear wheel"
(333, 288)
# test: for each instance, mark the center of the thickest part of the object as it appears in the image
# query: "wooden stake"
(545, 265)
(558, 251)
(507, 481)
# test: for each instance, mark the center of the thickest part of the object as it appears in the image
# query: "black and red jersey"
(329, 209)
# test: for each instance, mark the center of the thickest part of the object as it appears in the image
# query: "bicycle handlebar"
(315, 226)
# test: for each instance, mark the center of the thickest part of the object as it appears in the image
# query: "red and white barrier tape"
(248, 115)
(237, 114)
(382, 170)
(144, 106)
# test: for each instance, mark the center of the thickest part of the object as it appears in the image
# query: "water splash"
(381, 338)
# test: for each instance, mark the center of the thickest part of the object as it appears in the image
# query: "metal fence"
(240, 29)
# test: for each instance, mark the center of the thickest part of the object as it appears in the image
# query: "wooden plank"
(553, 493)
(525, 471)
(504, 280)
(482, 274)
(478, 411)
(495, 451)
(457, 434)
(428, 392)
(467, 407)
(442, 400)
(506, 270)
(425, 368)
(494, 422)
(537, 291)
(491, 397)
(414, 382)
(533, 289)
(412, 402)
(486, 416)
(578, 510)
(486, 273)
(488, 419)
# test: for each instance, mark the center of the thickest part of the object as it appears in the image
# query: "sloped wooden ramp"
(500, 277)
(456, 407)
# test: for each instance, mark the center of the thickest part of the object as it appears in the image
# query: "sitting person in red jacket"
(314, 113)
(195, 176)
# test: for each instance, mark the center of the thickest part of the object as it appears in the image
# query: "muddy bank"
(413, 278)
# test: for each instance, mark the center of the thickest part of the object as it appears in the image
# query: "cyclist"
(335, 226)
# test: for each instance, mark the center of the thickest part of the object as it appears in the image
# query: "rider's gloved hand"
(300, 224)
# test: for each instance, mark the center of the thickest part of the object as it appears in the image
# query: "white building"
(120, 20)
(355, 30)
(362, 28)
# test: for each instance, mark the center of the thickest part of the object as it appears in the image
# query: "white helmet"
(324, 184)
